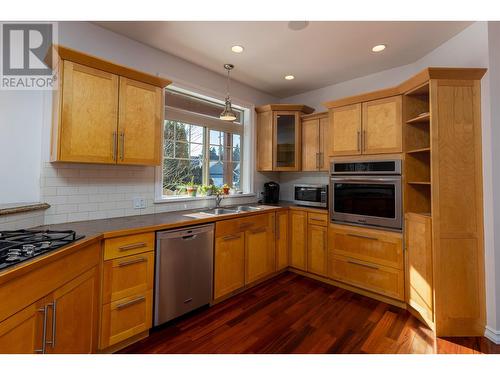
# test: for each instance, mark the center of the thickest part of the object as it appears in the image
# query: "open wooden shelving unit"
(417, 146)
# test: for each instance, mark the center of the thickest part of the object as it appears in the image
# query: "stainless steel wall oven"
(366, 193)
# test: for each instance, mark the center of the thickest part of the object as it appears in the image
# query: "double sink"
(236, 210)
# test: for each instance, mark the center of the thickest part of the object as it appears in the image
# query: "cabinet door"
(317, 249)
(260, 252)
(229, 264)
(74, 315)
(287, 145)
(89, 115)
(140, 123)
(344, 130)
(22, 332)
(310, 145)
(419, 271)
(298, 239)
(282, 240)
(382, 126)
(323, 144)
(265, 141)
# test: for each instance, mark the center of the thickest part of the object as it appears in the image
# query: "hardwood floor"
(294, 314)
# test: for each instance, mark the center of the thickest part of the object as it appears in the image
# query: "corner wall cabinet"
(314, 142)
(279, 146)
(105, 113)
(367, 128)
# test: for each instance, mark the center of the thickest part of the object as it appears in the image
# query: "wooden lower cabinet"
(420, 286)
(22, 332)
(73, 313)
(126, 317)
(298, 239)
(229, 263)
(370, 259)
(127, 288)
(282, 240)
(317, 249)
(260, 253)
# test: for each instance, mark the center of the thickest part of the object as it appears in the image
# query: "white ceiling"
(322, 54)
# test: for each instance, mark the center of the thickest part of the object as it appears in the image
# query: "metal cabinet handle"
(44, 330)
(259, 230)
(364, 237)
(133, 261)
(137, 245)
(363, 265)
(231, 237)
(317, 160)
(130, 303)
(54, 308)
(122, 148)
(115, 141)
(359, 140)
(314, 219)
(364, 141)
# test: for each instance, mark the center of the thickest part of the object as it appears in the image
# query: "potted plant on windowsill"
(191, 188)
(225, 189)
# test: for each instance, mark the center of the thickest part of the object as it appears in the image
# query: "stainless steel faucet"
(218, 199)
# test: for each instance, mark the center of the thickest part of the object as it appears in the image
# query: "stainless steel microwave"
(314, 195)
(366, 193)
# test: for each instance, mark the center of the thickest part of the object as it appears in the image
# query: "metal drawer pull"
(133, 261)
(129, 303)
(122, 138)
(54, 306)
(231, 237)
(44, 330)
(365, 237)
(137, 245)
(259, 230)
(314, 219)
(115, 140)
(363, 265)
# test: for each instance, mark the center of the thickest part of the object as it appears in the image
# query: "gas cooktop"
(21, 245)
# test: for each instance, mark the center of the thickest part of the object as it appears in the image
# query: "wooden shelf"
(420, 119)
(417, 150)
(419, 90)
(426, 214)
(419, 182)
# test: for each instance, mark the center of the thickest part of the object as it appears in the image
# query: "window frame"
(245, 130)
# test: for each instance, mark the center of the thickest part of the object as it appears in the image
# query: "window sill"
(183, 198)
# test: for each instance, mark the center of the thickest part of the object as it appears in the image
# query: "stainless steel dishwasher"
(184, 271)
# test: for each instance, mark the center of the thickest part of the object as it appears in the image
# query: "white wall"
(20, 146)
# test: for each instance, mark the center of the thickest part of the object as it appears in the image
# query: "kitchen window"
(199, 149)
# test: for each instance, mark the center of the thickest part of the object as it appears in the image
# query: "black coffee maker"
(271, 192)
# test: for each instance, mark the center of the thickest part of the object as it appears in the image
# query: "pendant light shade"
(228, 114)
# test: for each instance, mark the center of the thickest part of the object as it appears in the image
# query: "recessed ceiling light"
(379, 48)
(289, 77)
(237, 49)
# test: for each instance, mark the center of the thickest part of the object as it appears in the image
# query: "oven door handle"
(363, 179)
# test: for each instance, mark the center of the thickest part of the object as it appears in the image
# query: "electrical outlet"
(139, 202)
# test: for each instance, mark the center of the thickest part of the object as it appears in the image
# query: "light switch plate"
(139, 202)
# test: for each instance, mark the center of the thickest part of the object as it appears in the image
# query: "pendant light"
(228, 114)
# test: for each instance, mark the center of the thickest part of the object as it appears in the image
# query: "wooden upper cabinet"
(140, 123)
(382, 126)
(279, 137)
(89, 115)
(105, 113)
(344, 133)
(314, 141)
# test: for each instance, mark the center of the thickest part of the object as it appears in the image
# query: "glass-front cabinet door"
(287, 141)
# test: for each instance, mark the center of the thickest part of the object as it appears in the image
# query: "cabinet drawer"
(383, 280)
(314, 218)
(127, 276)
(384, 248)
(233, 226)
(125, 318)
(129, 245)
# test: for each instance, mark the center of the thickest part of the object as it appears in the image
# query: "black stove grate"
(21, 245)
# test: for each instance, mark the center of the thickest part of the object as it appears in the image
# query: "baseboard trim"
(492, 335)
